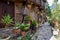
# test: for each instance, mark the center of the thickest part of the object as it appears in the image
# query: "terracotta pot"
(23, 33)
(16, 31)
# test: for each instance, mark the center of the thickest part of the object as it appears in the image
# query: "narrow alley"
(44, 32)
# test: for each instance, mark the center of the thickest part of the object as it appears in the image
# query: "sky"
(51, 1)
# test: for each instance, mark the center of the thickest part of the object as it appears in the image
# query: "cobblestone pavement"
(43, 33)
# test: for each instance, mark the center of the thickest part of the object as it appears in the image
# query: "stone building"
(16, 8)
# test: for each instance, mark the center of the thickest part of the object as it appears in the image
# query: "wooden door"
(9, 9)
(1, 10)
(5, 9)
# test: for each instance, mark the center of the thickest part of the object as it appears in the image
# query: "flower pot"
(23, 33)
(18, 30)
(15, 31)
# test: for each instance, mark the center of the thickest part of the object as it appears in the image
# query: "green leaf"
(7, 20)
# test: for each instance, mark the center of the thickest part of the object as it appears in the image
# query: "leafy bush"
(53, 17)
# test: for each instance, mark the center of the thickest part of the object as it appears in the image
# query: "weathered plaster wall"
(18, 17)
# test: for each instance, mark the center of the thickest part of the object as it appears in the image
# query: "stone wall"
(18, 6)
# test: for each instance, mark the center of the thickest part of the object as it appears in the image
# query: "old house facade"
(14, 7)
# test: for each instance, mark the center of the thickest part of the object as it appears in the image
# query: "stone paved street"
(44, 32)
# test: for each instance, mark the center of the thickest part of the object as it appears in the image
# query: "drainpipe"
(23, 18)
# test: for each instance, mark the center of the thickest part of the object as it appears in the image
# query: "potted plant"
(27, 26)
(33, 25)
(7, 20)
(34, 22)
(16, 28)
(27, 19)
(22, 27)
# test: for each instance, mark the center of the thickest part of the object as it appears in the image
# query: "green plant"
(7, 20)
(34, 23)
(28, 18)
(22, 27)
(55, 12)
(17, 25)
(27, 26)
(53, 17)
(27, 37)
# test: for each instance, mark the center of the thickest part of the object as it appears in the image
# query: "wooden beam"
(16, 0)
(34, 2)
